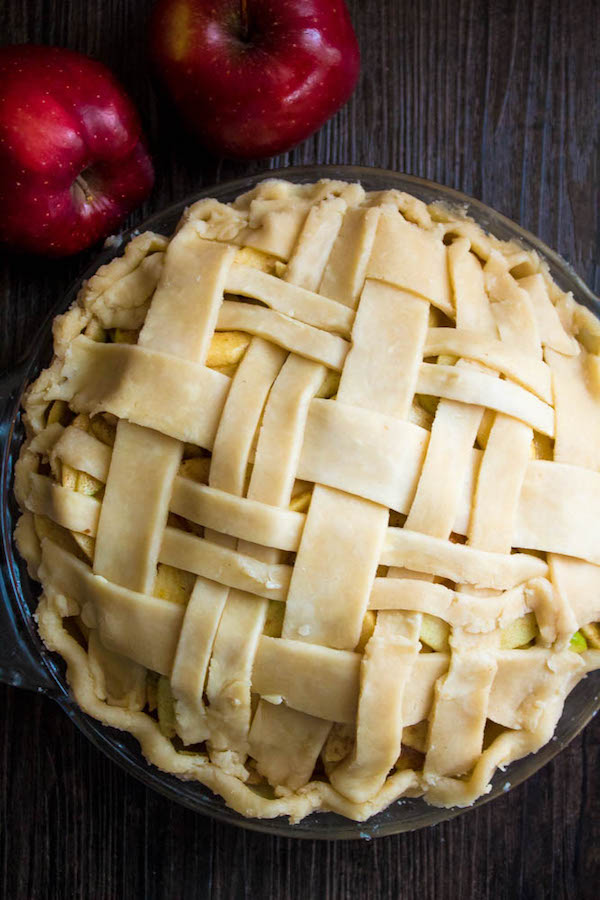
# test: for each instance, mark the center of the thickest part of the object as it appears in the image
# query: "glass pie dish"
(23, 659)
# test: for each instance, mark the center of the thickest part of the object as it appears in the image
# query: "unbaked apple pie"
(313, 492)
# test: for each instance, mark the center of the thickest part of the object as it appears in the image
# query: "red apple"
(254, 77)
(72, 158)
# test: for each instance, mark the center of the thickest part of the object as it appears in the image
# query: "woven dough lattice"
(319, 478)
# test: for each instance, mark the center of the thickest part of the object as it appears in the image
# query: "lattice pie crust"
(313, 492)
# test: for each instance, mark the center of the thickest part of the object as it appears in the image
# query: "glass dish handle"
(20, 661)
(20, 664)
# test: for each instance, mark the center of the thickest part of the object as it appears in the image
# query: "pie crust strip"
(272, 480)
(327, 574)
(528, 371)
(386, 383)
(467, 385)
(304, 340)
(437, 500)
(222, 564)
(242, 518)
(363, 452)
(230, 679)
(74, 511)
(383, 383)
(499, 483)
(458, 562)
(243, 408)
(289, 299)
(175, 396)
(511, 306)
(144, 462)
(308, 677)
(473, 311)
(412, 259)
(346, 268)
(84, 452)
(433, 512)
(190, 665)
(552, 334)
(558, 510)
(139, 626)
(476, 613)
(315, 242)
(135, 506)
(519, 677)
(386, 668)
(281, 435)
(576, 382)
(183, 313)
(285, 744)
(460, 705)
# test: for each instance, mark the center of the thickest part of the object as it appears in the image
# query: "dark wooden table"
(500, 100)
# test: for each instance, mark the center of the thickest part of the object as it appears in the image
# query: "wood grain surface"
(499, 99)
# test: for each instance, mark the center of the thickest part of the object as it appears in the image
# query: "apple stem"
(244, 19)
(84, 187)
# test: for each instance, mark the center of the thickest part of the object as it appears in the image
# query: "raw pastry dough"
(376, 521)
